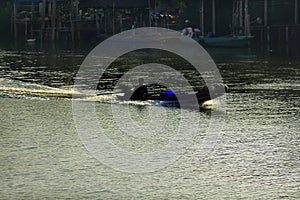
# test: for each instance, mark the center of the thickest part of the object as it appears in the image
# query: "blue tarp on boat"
(167, 93)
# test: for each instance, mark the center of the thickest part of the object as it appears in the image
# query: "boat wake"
(18, 89)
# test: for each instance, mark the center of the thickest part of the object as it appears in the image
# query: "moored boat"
(230, 41)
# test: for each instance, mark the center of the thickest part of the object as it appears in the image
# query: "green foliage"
(6, 8)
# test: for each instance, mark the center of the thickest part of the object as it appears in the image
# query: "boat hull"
(235, 41)
(170, 99)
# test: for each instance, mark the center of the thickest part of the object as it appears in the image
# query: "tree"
(5, 16)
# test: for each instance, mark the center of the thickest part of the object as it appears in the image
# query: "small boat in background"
(210, 40)
(230, 41)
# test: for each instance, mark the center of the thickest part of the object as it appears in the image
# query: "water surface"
(255, 156)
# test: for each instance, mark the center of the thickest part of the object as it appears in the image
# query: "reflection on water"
(256, 155)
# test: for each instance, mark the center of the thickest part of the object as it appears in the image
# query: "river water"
(256, 155)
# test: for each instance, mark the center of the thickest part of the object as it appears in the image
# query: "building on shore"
(59, 19)
(51, 20)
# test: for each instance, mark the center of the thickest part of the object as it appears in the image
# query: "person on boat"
(188, 31)
(140, 92)
(202, 92)
(197, 32)
(213, 91)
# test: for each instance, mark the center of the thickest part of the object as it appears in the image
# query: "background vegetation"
(6, 8)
